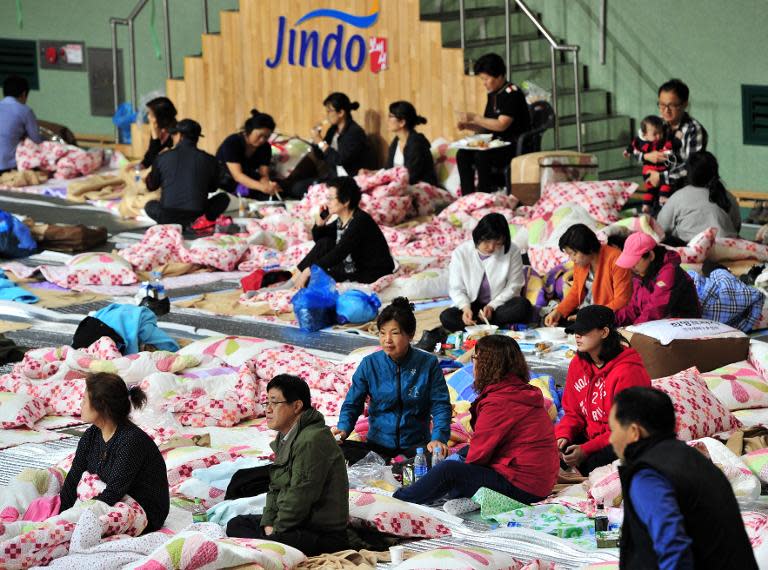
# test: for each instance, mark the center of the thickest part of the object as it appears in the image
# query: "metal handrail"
(129, 23)
(555, 47)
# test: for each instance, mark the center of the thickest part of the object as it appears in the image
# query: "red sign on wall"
(377, 53)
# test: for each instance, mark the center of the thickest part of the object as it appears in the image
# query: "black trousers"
(674, 241)
(597, 459)
(516, 310)
(322, 247)
(483, 162)
(308, 541)
(216, 205)
(354, 451)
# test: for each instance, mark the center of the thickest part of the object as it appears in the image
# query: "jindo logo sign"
(308, 47)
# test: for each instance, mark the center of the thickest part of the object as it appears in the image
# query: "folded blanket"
(227, 510)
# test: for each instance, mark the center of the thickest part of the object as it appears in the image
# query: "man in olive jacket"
(308, 500)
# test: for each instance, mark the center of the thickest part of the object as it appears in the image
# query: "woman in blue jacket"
(407, 392)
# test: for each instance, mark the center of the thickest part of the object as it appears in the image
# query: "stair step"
(450, 15)
(486, 24)
(522, 51)
(486, 42)
(595, 129)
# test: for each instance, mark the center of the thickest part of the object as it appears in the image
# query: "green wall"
(63, 95)
(713, 46)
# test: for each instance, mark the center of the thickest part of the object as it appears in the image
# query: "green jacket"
(308, 485)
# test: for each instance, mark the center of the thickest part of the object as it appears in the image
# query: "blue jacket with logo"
(404, 397)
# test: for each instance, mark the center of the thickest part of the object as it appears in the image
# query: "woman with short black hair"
(410, 148)
(246, 157)
(125, 458)
(596, 277)
(351, 247)
(604, 365)
(486, 275)
(512, 450)
(409, 406)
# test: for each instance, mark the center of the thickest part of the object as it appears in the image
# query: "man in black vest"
(679, 508)
(186, 175)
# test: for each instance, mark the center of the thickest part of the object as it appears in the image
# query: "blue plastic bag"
(315, 305)
(357, 307)
(123, 118)
(15, 238)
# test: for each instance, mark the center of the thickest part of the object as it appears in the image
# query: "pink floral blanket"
(65, 161)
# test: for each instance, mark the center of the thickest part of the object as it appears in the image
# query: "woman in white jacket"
(486, 274)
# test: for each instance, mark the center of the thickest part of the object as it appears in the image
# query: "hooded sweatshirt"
(672, 293)
(513, 435)
(588, 397)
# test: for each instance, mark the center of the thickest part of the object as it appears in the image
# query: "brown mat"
(51, 299)
(8, 326)
(225, 303)
(348, 560)
(96, 187)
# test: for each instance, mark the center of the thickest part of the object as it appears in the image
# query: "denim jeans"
(457, 479)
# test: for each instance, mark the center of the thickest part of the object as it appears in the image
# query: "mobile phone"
(324, 213)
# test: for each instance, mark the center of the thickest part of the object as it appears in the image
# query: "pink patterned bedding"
(65, 161)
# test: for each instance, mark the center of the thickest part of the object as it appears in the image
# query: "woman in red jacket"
(602, 368)
(512, 450)
(661, 289)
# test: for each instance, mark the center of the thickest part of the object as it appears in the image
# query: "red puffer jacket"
(513, 435)
(588, 397)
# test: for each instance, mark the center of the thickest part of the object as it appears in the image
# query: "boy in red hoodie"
(601, 368)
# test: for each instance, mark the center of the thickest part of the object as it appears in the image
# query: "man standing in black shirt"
(506, 116)
(187, 175)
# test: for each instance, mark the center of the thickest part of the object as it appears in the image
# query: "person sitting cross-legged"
(512, 450)
(679, 508)
(308, 500)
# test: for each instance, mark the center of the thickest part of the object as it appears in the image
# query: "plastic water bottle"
(271, 260)
(137, 173)
(199, 513)
(419, 464)
(601, 518)
(158, 289)
(437, 456)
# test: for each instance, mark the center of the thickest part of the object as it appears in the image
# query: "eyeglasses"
(669, 106)
(273, 404)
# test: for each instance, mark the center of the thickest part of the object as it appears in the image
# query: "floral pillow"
(757, 461)
(738, 386)
(96, 268)
(758, 357)
(393, 516)
(602, 200)
(463, 557)
(699, 413)
(735, 248)
(698, 248)
(222, 252)
(20, 410)
(233, 350)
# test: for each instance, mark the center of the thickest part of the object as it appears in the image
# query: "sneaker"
(202, 226)
(460, 506)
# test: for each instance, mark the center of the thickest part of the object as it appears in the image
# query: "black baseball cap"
(188, 128)
(591, 318)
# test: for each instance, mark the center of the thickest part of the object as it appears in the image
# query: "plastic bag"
(123, 119)
(355, 306)
(534, 93)
(371, 471)
(15, 238)
(315, 306)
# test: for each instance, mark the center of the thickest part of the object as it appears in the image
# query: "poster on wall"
(342, 49)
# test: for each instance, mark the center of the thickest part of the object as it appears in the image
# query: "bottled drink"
(271, 260)
(437, 456)
(419, 464)
(199, 512)
(137, 173)
(241, 207)
(601, 519)
(158, 289)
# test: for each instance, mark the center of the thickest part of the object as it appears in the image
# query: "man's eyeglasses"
(273, 404)
(669, 106)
